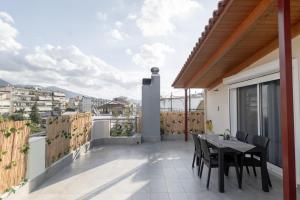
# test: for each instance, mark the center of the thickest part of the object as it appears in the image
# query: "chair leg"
(237, 171)
(241, 169)
(208, 177)
(247, 168)
(254, 171)
(269, 180)
(253, 167)
(226, 170)
(194, 160)
(199, 160)
(201, 169)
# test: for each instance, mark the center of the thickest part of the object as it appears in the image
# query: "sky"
(99, 48)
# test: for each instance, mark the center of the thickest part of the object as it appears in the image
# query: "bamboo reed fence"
(65, 134)
(14, 146)
(173, 122)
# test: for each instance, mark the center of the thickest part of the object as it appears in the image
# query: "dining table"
(233, 146)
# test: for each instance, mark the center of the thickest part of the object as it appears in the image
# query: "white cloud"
(128, 51)
(131, 16)
(70, 61)
(69, 67)
(118, 24)
(62, 66)
(118, 35)
(101, 16)
(8, 34)
(152, 55)
(156, 15)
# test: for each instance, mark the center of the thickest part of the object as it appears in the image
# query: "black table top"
(233, 143)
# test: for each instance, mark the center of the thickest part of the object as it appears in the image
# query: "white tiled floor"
(145, 172)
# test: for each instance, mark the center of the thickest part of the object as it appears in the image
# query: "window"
(247, 109)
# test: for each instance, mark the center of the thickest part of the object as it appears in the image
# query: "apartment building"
(21, 99)
(85, 104)
(59, 102)
(44, 102)
(5, 100)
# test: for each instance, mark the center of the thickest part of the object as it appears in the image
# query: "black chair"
(250, 140)
(241, 136)
(197, 152)
(261, 144)
(211, 161)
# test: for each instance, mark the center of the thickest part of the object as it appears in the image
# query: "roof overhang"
(238, 34)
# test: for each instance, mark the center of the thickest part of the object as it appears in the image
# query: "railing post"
(286, 92)
(136, 124)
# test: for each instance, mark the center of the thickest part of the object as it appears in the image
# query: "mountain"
(68, 93)
(4, 83)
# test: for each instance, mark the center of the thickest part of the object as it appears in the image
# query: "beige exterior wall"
(218, 109)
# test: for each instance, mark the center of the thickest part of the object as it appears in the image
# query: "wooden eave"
(239, 33)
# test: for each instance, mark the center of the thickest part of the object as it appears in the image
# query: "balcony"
(147, 171)
(69, 163)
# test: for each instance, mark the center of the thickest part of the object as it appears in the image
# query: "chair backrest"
(250, 139)
(196, 142)
(241, 136)
(205, 149)
(259, 141)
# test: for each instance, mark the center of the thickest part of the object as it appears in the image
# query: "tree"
(34, 115)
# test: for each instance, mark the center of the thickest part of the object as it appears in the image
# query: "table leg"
(264, 175)
(241, 169)
(221, 170)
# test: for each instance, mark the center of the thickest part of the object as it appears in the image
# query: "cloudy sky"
(97, 47)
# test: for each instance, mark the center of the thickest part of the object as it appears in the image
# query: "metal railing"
(178, 110)
(122, 126)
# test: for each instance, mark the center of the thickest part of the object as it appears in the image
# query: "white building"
(5, 100)
(16, 99)
(59, 102)
(85, 104)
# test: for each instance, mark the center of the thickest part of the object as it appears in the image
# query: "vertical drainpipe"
(185, 115)
(286, 90)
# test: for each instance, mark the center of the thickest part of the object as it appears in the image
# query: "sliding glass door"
(270, 119)
(247, 109)
(258, 113)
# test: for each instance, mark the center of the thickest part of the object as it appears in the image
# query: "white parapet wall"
(36, 157)
(101, 129)
(101, 134)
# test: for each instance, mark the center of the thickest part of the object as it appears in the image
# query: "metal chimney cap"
(154, 70)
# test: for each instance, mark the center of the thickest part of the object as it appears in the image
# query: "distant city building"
(85, 104)
(5, 100)
(113, 108)
(21, 99)
(44, 102)
(59, 103)
(73, 104)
